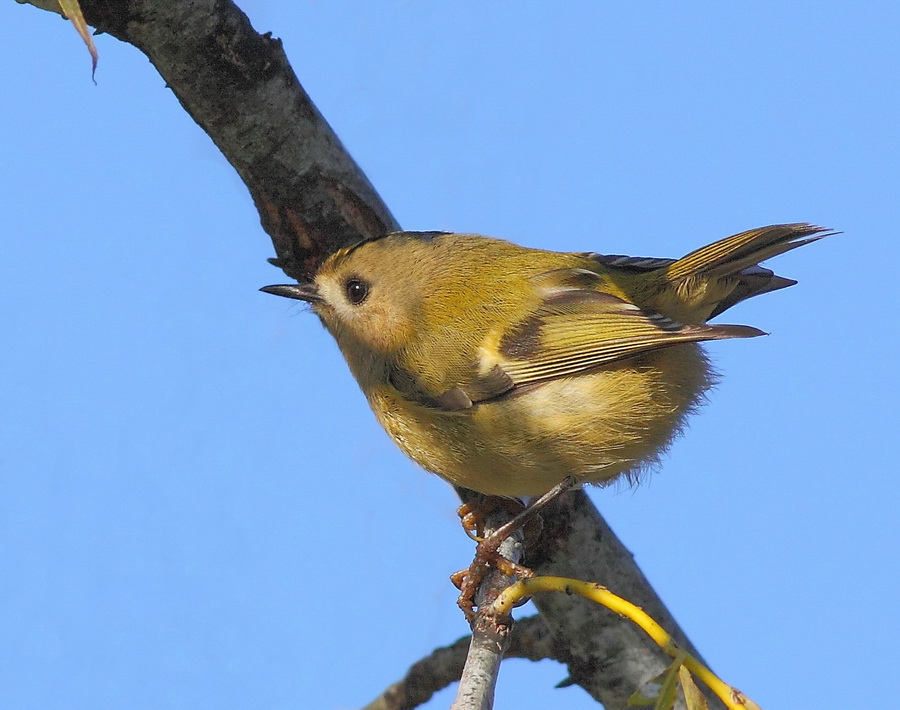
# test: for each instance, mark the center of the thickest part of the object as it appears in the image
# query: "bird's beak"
(301, 292)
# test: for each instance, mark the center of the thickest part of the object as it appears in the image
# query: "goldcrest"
(504, 369)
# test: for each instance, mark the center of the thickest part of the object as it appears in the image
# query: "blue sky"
(197, 509)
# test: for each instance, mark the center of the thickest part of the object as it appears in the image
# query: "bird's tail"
(715, 277)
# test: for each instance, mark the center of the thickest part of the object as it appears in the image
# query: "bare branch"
(238, 86)
(490, 635)
(424, 678)
(530, 639)
(606, 654)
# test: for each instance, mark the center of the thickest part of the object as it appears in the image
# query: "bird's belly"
(599, 425)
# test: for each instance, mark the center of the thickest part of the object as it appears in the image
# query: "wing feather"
(576, 329)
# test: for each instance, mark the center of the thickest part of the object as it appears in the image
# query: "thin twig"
(490, 633)
(524, 588)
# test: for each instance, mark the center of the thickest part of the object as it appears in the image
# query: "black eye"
(356, 291)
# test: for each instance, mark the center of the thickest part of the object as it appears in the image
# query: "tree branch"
(490, 635)
(606, 654)
(238, 86)
(530, 639)
(312, 198)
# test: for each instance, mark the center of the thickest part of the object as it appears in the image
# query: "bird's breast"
(598, 425)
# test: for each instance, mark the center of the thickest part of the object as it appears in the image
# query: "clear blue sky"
(197, 509)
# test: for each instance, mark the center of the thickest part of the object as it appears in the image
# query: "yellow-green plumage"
(505, 369)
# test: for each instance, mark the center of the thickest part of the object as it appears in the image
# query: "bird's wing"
(574, 329)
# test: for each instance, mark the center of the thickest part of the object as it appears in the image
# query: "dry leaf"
(72, 10)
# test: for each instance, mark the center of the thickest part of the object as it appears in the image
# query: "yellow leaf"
(72, 10)
(693, 698)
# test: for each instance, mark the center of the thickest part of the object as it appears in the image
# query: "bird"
(508, 370)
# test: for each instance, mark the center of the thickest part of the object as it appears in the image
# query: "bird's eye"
(356, 290)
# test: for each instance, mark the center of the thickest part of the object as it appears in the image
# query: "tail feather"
(751, 282)
(734, 254)
(712, 279)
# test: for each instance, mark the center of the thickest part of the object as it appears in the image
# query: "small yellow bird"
(505, 370)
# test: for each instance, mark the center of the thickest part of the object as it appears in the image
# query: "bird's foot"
(487, 551)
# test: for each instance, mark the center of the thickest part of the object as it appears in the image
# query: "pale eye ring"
(357, 290)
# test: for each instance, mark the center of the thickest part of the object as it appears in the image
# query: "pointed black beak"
(301, 292)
